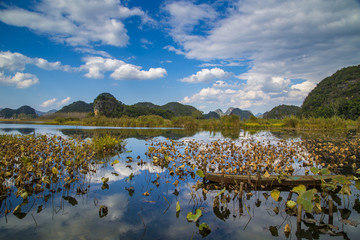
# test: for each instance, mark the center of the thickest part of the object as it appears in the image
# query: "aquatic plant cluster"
(275, 161)
(230, 157)
(35, 168)
(30, 165)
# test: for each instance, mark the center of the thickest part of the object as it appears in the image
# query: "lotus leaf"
(115, 162)
(287, 228)
(275, 194)
(305, 200)
(291, 204)
(274, 231)
(325, 171)
(299, 189)
(314, 170)
(204, 227)
(200, 173)
(194, 217)
(104, 180)
(24, 195)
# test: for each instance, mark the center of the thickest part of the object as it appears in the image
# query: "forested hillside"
(282, 111)
(337, 95)
(79, 106)
(21, 112)
(107, 105)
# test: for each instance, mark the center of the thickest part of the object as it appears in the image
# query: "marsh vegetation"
(152, 186)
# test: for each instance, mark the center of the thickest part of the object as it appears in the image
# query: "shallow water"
(131, 215)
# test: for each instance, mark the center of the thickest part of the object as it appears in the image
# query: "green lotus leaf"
(200, 173)
(314, 170)
(194, 217)
(305, 200)
(299, 189)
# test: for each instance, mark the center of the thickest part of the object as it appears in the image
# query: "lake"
(132, 214)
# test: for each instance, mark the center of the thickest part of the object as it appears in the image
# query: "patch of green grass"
(107, 144)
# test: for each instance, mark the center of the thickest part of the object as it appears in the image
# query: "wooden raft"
(286, 181)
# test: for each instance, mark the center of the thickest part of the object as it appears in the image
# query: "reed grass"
(188, 122)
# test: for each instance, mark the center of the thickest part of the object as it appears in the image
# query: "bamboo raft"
(285, 181)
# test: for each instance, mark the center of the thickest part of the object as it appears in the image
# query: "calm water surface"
(131, 215)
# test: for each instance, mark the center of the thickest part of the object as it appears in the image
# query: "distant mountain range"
(337, 95)
(40, 113)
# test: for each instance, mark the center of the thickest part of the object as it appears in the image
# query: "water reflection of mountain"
(23, 131)
(130, 133)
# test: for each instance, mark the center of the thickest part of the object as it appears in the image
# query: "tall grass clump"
(152, 121)
(291, 122)
(186, 122)
(326, 123)
(231, 121)
(107, 144)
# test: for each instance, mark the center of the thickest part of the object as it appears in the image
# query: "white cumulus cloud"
(14, 61)
(54, 102)
(64, 101)
(12, 65)
(96, 67)
(77, 23)
(48, 103)
(277, 40)
(260, 94)
(184, 15)
(207, 75)
(20, 80)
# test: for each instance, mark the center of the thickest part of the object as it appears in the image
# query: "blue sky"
(250, 54)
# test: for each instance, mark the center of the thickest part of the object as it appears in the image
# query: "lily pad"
(291, 204)
(299, 189)
(325, 171)
(274, 231)
(275, 194)
(24, 195)
(287, 228)
(194, 217)
(104, 180)
(305, 200)
(200, 173)
(314, 170)
(115, 162)
(204, 229)
(71, 200)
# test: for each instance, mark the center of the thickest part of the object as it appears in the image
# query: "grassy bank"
(224, 123)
